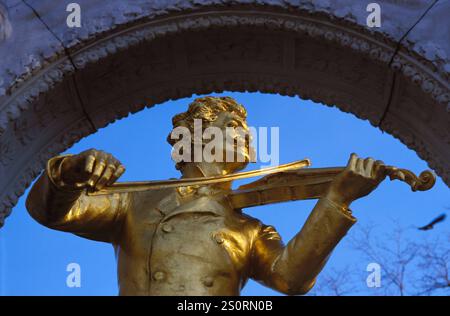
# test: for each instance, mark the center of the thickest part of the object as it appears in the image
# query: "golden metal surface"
(134, 186)
(195, 240)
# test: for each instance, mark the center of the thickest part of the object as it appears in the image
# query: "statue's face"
(237, 143)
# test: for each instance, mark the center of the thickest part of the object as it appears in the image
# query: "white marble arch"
(60, 84)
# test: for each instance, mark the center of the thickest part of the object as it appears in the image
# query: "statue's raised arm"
(59, 198)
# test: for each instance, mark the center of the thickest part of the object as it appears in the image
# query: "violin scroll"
(423, 182)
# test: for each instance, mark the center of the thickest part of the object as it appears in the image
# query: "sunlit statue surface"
(195, 240)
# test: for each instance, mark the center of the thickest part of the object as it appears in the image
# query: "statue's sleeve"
(52, 204)
(292, 269)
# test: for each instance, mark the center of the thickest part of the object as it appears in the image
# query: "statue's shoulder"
(259, 228)
(249, 221)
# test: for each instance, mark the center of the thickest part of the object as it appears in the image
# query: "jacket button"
(219, 239)
(167, 228)
(159, 275)
(208, 281)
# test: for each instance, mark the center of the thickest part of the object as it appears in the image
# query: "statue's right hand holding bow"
(92, 169)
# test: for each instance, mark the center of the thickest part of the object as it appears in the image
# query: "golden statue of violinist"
(190, 236)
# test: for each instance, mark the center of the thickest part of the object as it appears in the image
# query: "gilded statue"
(190, 236)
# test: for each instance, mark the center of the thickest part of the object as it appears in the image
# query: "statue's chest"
(202, 229)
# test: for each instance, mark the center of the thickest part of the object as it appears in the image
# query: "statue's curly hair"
(206, 109)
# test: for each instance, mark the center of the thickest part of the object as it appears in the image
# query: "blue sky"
(33, 259)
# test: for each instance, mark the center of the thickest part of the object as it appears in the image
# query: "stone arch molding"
(60, 84)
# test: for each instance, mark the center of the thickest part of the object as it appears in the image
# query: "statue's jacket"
(176, 242)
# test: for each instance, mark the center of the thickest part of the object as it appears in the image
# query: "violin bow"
(424, 181)
(133, 186)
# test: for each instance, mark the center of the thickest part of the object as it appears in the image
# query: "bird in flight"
(438, 219)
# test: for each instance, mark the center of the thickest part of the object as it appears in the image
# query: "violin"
(311, 183)
(287, 182)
